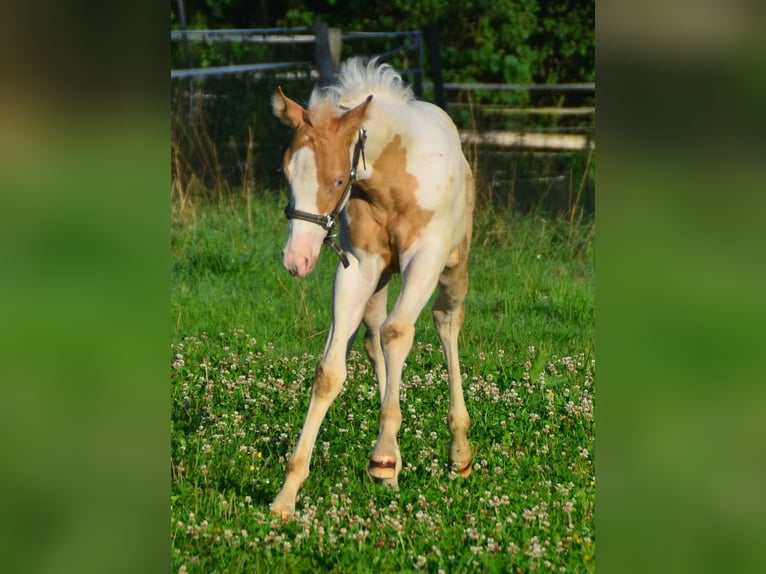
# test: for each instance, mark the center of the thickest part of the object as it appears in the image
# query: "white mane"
(359, 78)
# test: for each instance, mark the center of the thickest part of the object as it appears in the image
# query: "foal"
(406, 208)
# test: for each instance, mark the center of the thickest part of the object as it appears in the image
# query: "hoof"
(463, 469)
(390, 483)
(383, 468)
(282, 511)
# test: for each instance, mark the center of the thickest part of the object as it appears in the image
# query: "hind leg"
(374, 315)
(448, 314)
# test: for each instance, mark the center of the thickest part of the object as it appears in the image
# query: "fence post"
(187, 54)
(333, 35)
(323, 53)
(420, 71)
(432, 37)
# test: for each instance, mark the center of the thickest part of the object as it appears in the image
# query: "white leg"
(352, 291)
(374, 316)
(419, 279)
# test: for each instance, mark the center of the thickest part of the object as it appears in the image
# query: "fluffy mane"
(357, 79)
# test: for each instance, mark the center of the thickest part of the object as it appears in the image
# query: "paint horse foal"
(406, 207)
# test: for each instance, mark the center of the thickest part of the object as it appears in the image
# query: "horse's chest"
(384, 231)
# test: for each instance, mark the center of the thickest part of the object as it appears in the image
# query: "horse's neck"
(381, 131)
(377, 140)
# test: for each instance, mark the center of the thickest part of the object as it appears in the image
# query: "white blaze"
(304, 181)
(305, 240)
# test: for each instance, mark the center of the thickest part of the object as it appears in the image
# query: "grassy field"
(245, 339)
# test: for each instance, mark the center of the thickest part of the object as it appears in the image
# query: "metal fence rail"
(276, 35)
(238, 69)
(302, 35)
(253, 35)
(565, 87)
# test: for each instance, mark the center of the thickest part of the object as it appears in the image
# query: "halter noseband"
(330, 220)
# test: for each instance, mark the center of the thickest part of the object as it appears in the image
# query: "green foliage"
(482, 40)
(297, 18)
(564, 41)
(246, 338)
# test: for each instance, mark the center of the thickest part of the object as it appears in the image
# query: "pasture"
(245, 339)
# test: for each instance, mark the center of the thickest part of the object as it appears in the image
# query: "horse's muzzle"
(301, 253)
(298, 266)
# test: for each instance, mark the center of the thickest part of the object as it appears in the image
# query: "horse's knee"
(395, 335)
(327, 384)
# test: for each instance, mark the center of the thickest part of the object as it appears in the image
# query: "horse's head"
(317, 166)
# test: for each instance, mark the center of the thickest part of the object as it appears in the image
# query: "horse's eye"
(339, 183)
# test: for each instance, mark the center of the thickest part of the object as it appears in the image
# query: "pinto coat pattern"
(409, 211)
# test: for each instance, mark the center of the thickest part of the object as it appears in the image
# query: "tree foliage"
(512, 41)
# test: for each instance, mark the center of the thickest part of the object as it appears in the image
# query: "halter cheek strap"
(329, 221)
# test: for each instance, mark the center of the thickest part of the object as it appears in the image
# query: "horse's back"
(436, 121)
(449, 172)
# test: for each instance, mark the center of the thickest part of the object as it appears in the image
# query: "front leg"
(328, 381)
(353, 289)
(419, 278)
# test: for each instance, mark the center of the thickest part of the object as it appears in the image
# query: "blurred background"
(85, 171)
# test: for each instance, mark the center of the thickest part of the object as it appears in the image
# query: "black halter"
(330, 220)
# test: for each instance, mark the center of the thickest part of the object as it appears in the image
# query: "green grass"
(246, 338)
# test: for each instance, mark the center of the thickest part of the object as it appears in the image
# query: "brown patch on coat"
(389, 205)
(368, 228)
(392, 332)
(453, 282)
(325, 385)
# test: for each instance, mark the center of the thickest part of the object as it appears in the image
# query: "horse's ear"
(289, 111)
(352, 120)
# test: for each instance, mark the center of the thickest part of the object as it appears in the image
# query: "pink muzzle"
(301, 251)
